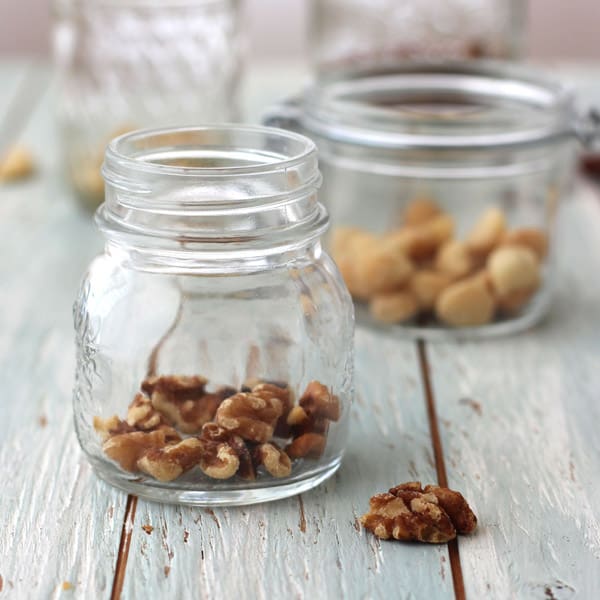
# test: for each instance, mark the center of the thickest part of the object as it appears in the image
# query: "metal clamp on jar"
(443, 182)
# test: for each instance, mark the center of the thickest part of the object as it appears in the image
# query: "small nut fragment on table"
(426, 285)
(382, 269)
(307, 445)
(467, 302)
(318, 402)
(512, 269)
(251, 417)
(169, 462)
(128, 448)
(182, 400)
(410, 513)
(17, 163)
(487, 232)
(454, 259)
(394, 307)
(275, 460)
(529, 237)
(420, 210)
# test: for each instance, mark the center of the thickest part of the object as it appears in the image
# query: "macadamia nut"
(487, 232)
(512, 269)
(394, 307)
(466, 303)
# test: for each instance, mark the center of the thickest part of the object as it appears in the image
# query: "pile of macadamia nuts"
(421, 270)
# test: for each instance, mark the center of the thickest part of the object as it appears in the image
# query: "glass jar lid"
(439, 106)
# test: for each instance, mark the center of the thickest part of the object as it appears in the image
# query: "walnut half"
(410, 513)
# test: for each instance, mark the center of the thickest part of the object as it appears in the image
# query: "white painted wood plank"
(58, 522)
(278, 550)
(520, 433)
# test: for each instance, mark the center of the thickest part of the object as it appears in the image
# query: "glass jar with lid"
(443, 181)
(214, 335)
(344, 33)
(128, 64)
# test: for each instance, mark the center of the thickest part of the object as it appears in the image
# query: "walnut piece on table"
(410, 513)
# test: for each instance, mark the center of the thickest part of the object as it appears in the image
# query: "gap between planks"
(124, 544)
(440, 465)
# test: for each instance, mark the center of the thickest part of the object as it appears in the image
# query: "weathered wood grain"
(519, 422)
(59, 524)
(311, 546)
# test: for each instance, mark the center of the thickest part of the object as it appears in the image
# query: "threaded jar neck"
(218, 192)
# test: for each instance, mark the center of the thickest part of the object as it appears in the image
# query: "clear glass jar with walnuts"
(214, 335)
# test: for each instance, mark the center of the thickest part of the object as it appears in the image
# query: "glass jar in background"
(214, 335)
(129, 64)
(442, 182)
(347, 33)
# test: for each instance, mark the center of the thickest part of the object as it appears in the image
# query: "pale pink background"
(557, 28)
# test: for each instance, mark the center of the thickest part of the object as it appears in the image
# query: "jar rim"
(120, 153)
(489, 104)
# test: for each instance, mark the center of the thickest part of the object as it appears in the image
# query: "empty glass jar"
(442, 182)
(346, 33)
(128, 64)
(214, 335)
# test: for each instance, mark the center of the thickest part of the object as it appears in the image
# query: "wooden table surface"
(512, 423)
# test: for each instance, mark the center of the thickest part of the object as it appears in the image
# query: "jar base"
(239, 497)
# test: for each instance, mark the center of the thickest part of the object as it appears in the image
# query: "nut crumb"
(66, 586)
(148, 529)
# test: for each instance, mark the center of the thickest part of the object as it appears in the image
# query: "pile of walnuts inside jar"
(174, 425)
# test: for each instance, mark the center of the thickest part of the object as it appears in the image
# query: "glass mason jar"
(128, 64)
(345, 33)
(442, 182)
(214, 335)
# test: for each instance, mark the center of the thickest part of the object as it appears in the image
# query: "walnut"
(455, 505)
(318, 401)
(106, 428)
(182, 399)
(169, 462)
(215, 433)
(275, 460)
(250, 416)
(307, 445)
(282, 391)
(408, 512)
(219, 460)
(128, 448)
(142, 415)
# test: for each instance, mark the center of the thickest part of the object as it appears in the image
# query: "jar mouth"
(207, 151)
(225, 190)
(439, 106)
